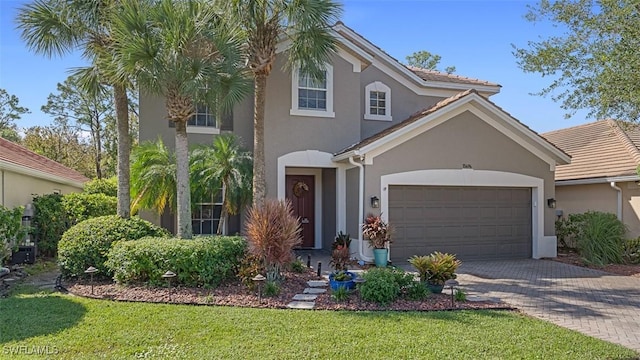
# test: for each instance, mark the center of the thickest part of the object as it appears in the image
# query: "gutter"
(360, 208)
(619, 207)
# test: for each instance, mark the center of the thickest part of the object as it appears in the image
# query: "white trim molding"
(328, 111)
(207, 130)
(542, 246)
(377, 86)
(312, 162)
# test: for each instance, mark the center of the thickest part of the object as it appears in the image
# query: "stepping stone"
(4, 271)
(305, 297)
(302, 305)
(9, 280)
(317, 283)
(475, 298)
(314, 291)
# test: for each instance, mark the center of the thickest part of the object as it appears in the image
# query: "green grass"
(41, 266)
(76, 328)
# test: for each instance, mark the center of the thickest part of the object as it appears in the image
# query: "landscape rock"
(4, 271)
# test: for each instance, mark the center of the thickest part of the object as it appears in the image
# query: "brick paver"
(596, 303)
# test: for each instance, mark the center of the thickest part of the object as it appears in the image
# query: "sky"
(475, 36)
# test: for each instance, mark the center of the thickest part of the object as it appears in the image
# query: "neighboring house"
(448, 168)
(603, 174)
(24, 174)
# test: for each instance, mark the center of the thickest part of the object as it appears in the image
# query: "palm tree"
(185, 52)
(224, 165)
(58, 27)
(307, 24)
(153, 177)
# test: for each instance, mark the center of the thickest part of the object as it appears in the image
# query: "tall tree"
(594, 63)
(185, 52)
(223, 165)
(426, 60)
(10, 111)
(89, 111)
(58, 27)
(63, 143)
(306, 24)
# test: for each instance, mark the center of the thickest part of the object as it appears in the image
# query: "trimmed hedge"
(102, 186)
(87, 243)
(203, 261)
(80, 206)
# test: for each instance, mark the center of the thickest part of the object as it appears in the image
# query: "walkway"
(599, 304)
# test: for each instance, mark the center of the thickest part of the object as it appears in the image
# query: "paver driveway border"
(593, 302)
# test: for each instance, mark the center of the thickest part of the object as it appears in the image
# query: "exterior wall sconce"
(551, 203)
(375, 202)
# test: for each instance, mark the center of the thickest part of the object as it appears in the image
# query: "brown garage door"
(475, 223)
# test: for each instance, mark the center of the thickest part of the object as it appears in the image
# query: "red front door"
(301, 193)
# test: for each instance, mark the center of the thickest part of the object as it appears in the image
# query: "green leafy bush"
(271, 288)
(49, 222)
(599, 237)
(108, 186)
(340, 294)
(203, 261)
(417, 291)
(87, 243)
(631, 252)
(81, 206)
(381, 286)
(11, 230)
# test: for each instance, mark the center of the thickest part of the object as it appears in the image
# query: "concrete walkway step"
(302, 305)
(314, 291)
(317, 283)
(305, 297)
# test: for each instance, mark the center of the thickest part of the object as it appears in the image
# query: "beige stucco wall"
(575, 199)
(464, 139)
(19, 189)
(404, 102)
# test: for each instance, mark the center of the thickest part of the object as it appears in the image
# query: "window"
(312, 97)
(203, 122)
(377, 102)
(206, 216)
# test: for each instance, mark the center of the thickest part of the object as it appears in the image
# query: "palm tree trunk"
(259, 182)
(182, 179)
(98, 142)
(124, 149)
(223, 212)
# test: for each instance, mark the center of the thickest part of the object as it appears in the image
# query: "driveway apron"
(593, 302)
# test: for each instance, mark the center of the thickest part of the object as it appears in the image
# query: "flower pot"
(349, 284)
(435, 288)
(380, 257)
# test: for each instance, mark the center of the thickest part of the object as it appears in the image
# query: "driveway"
(599, 304)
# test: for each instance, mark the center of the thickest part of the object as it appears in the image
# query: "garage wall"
(464, 139)
(19, 189)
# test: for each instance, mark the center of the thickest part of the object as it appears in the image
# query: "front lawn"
(70, 327)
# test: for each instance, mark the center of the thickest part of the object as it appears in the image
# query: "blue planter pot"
(380, 257)
(435, 288)
(349, 284)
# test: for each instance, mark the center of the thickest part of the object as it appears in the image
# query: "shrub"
(203, 261)
(11, 230)
(340, 294)
(600, 237)
(417, 291)
(298, 266)
(49, 222)
(631, 252)
(272, 232)
(271, 288)
(381, 286)
(250, 266)
(436, 268)
(87, 243)
(460, 295)
(108, 186)
(81, 206)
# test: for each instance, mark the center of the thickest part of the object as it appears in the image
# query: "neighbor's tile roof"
(15, 154)
(605, 148)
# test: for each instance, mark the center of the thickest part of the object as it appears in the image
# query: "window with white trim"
(204, 117)
(312, 97)
(377, 100)
(205, 217)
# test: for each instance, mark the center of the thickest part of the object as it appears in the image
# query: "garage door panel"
(473, 222)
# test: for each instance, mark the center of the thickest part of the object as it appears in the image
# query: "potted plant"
(340, 260)
(378, 233)
(435, 268)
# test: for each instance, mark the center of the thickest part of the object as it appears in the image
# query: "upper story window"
(204, 117)
(377, 100)
(312, 97)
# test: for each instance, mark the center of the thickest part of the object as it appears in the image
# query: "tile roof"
(605, 148)
(15, 154)
(433, 75)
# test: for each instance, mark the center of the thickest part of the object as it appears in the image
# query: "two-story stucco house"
(449, 169)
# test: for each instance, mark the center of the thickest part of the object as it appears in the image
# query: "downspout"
(619, 207)
(2, 180)
(360, 209)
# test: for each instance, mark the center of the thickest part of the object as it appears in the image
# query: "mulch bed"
(236, 294)
(571, 257)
